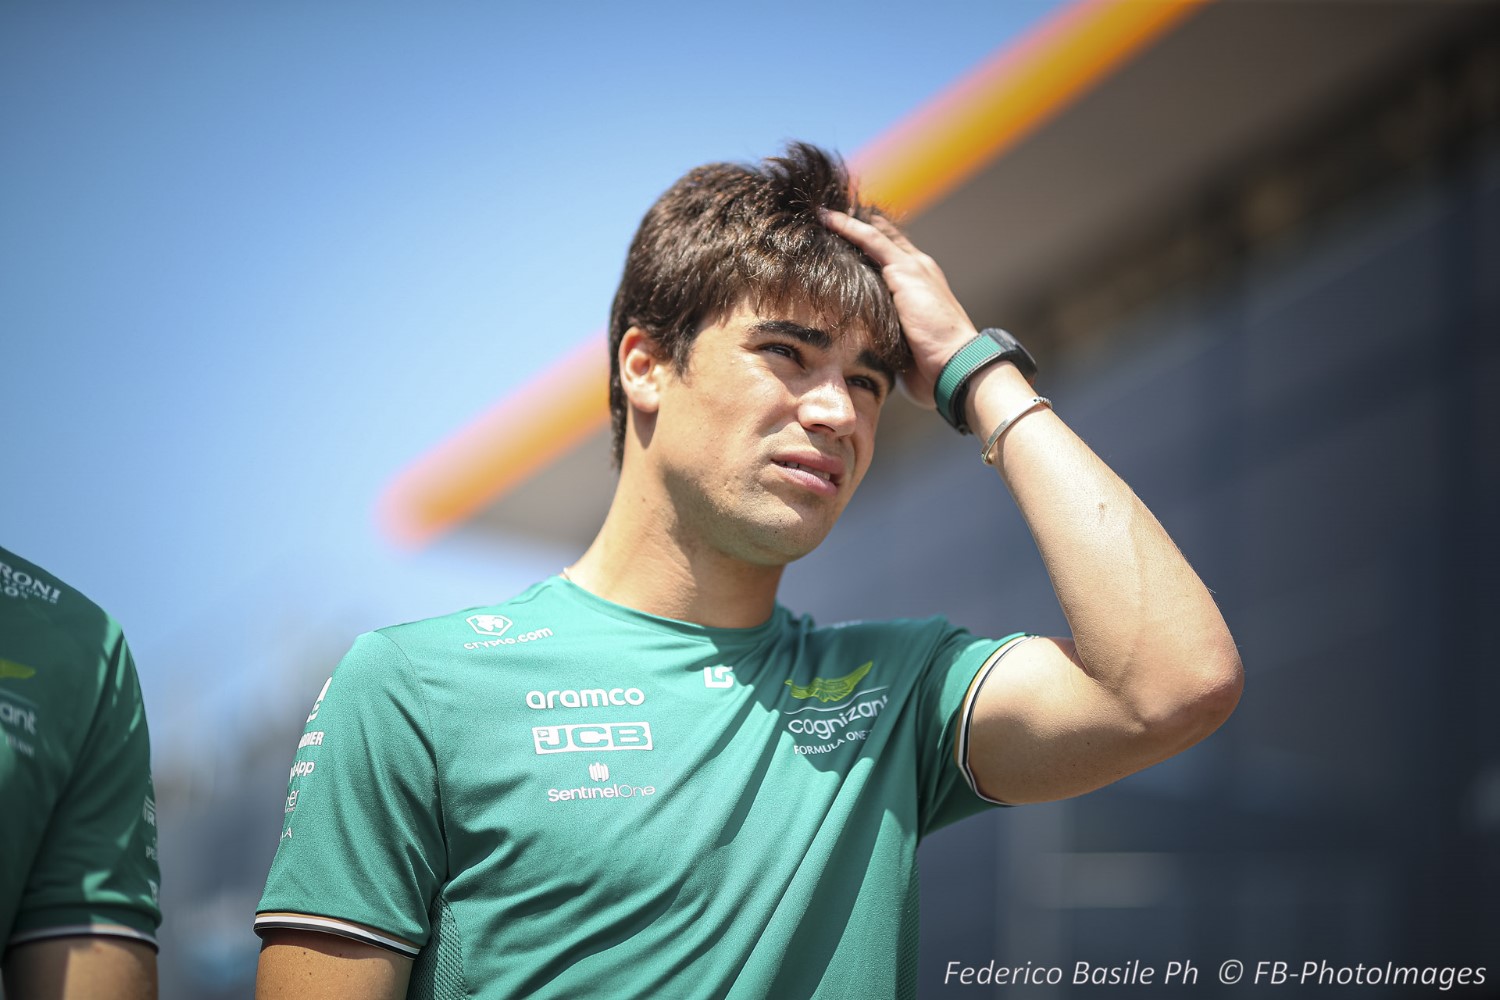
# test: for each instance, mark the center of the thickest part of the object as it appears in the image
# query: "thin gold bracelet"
(987, 455)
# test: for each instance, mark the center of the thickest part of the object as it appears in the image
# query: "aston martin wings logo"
(836, 689)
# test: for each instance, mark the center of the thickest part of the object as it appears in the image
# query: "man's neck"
(644, 559)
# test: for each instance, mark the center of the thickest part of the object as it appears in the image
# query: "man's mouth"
(827, 477)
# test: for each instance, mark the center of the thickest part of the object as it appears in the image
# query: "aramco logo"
(599, 772)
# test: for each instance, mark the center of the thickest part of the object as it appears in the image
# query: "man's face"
(764, 437)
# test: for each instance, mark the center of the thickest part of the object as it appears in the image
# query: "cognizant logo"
(825, 728)
(15, 715)
(586, 698)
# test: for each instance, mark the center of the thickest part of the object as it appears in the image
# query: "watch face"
(1012, 351)
(1001, 337)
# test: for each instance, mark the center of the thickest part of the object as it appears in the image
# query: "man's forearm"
(1146, 628)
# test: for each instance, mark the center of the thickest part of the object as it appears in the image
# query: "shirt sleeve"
(96, 871)
(362, 851)
(959, 663)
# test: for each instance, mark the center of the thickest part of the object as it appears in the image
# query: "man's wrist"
(988, 348)
(993, 394)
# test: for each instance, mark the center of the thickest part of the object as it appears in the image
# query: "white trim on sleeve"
(966, 714)
(82, 930)
(332, 925)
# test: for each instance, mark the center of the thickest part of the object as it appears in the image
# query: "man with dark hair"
(78, 874)
(727, 233)
(644, 777)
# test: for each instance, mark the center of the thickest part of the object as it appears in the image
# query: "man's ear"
(641, 370)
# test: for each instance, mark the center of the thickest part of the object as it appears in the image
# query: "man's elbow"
(1213, 683)
(1191, 698)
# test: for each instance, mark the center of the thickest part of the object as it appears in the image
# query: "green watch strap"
(977, 354)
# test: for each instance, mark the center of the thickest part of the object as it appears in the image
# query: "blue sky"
(256, 258)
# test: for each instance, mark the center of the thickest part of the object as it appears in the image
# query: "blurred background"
(300, 335)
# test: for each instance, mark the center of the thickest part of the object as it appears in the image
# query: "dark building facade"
(1312, 408)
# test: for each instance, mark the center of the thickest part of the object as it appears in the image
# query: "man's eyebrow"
(807, 334)
(821, 339)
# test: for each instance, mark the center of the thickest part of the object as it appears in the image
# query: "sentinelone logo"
(600, 772)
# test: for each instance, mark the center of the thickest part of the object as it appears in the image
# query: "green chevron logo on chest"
(11, 669)
(827, 689)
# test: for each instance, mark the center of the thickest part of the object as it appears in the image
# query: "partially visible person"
(78, 868)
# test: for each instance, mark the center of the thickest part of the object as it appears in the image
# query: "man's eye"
(863, 382)
(785, 350)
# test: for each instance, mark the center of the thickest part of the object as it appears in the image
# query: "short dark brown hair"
(729, 232)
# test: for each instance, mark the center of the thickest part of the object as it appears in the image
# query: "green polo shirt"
(561, 797)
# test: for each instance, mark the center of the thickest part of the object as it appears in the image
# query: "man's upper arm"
(299, 964)
(96, 872)
(81, 968)
(361, 852)
(1043, 729)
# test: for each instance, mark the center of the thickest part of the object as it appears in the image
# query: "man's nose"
(828, 406)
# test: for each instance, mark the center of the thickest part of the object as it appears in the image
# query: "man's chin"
(792, 535)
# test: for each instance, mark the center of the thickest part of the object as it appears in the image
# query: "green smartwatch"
(989, 346)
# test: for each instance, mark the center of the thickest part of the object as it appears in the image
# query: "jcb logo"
(593, 737)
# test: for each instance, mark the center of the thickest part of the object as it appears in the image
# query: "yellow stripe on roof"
(916, 163)
(505, 445)
(1007, 97)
